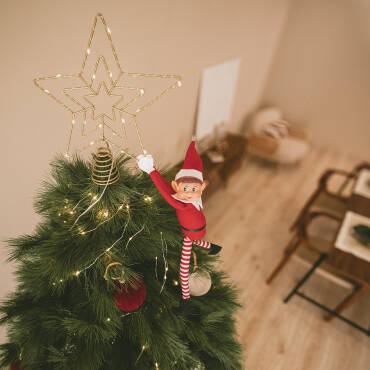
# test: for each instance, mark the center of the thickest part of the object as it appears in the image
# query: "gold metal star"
(103, 98)
(101, 76)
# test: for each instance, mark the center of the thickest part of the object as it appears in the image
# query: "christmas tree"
(99, 283)
(71, 312)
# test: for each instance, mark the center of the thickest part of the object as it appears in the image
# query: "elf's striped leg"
(213, 248)
(202, 243)
(184, 267)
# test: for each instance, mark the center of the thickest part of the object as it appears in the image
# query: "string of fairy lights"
(124, 206)
(104, 215)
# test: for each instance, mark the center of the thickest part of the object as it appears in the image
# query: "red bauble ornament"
(128, 298)
(16, 365)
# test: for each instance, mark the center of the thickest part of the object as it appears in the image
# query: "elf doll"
(184, 194)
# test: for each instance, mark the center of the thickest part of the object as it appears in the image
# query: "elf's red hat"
(193, 166)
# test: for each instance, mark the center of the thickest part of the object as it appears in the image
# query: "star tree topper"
(101, 97)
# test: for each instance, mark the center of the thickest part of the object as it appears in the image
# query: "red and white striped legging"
(185, 262)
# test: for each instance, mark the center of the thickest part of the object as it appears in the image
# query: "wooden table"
(349, 254)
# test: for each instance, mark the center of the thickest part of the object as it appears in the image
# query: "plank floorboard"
(250, 218)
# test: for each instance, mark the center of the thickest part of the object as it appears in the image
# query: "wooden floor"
(250, 219)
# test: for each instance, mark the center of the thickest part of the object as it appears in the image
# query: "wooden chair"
(323, 199)
(327, 199)
(335, 262)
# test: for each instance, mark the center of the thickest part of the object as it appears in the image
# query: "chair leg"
(305, 208)
(292, 243)
(351, 298)
(288, 252)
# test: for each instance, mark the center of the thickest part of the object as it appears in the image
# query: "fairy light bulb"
(73, 122)
(108, 30)
(175, 283)
(58, 75)
(93, 76)
(47, 91)
(105, 213)
(77, 273)
(179, 83)
(110, 74)
(108, 319)
(156, 366)
(91, 143)
(123, 120)
(100, 125)
(95, 197)
(88, 51)
(142, 91)
(66, 155)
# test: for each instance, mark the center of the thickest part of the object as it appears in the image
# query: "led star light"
(102, 98)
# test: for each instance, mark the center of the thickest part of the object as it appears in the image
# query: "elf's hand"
(145, 163)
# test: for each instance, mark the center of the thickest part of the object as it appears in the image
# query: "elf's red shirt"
(192, 220)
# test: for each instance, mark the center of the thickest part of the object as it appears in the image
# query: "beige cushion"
(290, 150)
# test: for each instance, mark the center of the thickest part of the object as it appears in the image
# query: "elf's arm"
(145, 163)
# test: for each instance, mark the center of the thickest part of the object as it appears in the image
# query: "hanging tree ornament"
(103, 98)
(16, 365)
(199, 280)
(104, 172)
(129, 295)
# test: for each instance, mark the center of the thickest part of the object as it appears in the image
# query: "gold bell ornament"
(104, 172)
(199, 280)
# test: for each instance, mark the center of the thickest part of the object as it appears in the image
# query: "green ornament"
(362, 234)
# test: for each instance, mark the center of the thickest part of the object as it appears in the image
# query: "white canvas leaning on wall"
(216, 96)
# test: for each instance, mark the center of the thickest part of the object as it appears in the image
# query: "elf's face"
(188, 190)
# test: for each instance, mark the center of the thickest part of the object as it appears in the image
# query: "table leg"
(322, 257)
(357, 292)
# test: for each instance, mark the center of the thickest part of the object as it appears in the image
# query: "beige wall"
(41, 38)
(321, 73)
